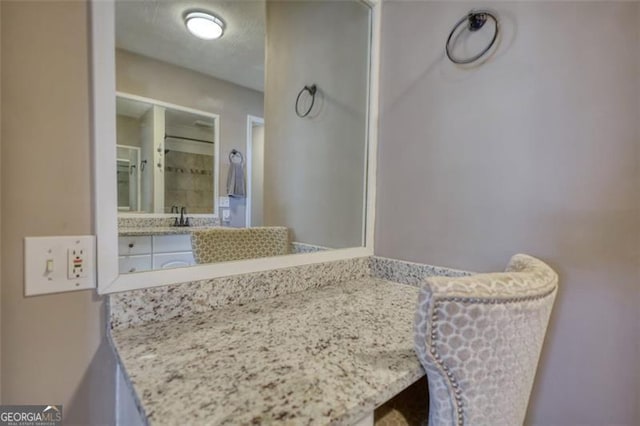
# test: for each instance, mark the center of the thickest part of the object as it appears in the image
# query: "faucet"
(174, 209)
(184, 221)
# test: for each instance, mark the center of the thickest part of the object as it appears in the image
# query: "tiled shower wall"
(188, 182)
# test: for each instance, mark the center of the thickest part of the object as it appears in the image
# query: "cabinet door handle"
(131, 245)
(132, 270)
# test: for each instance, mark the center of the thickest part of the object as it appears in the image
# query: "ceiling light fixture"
(204, 25)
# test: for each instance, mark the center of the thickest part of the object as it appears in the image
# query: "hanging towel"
(235, 180)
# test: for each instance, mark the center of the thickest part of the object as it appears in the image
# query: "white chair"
(479, 339)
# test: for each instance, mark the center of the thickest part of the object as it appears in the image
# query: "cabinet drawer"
(134, 245)
(129, 264)
(171, 243)
(173, 260)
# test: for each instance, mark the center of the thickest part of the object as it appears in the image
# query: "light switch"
(224, 201)
(49, 266)
(59, 264)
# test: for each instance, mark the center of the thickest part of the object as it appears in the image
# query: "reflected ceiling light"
(204, 25)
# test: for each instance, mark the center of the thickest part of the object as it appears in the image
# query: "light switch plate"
(48, 264)
(224, 202)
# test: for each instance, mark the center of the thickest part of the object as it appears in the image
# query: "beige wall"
(147, 77)
(257, 176)
(127, 131)
(0, 203)
(536, 151)
(314, 168)
(53, 347)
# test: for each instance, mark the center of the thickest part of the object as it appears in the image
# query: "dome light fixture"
(204, 25)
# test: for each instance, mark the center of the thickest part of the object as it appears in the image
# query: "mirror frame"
(105, 225)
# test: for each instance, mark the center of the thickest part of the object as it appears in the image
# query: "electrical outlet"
(226, 215)
(76, 262)
(59, 264)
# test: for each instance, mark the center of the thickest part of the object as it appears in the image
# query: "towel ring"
(312, 91)
(475, 20)
(235, 153)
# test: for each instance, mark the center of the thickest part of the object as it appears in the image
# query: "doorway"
(255, 171)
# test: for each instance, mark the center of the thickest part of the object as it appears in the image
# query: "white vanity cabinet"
(147, 252)
(129, 264)
(172, 251)
(138, 245)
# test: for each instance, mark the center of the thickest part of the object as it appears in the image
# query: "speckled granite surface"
(306, 248)
(312, 344)
(322, 356)
(158, 230)
(163, 303)
(148, 222)
(411, 273)
(180, 300)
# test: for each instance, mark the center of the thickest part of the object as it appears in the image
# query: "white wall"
(315, 167)
(536, 151)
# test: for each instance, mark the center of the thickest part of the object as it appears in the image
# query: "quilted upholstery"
(479, 339)
(225, 244)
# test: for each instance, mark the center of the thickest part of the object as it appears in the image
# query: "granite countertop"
(325, 355)
(158, 230)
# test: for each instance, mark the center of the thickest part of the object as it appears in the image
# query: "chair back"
(226, 244)
(479, 339)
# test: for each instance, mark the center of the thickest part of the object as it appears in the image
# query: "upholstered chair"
(226, 244)
(479, 339)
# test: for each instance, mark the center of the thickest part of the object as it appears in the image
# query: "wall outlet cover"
(224, 202)
(59, 264)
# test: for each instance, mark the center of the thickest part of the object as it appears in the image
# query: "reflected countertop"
(159, 230)
(325, 355)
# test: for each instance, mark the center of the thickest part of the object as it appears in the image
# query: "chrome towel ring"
(475, 20)
(233, 154)
(312, 92)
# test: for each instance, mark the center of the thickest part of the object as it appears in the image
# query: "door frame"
(251, 120)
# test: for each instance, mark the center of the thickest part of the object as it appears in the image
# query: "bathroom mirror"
(248, 151)
(128, 177)
(170, 154)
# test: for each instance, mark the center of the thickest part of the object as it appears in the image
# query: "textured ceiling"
(155, 28)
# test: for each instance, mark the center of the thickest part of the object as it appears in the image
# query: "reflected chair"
(479, 339)
(225, 244)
